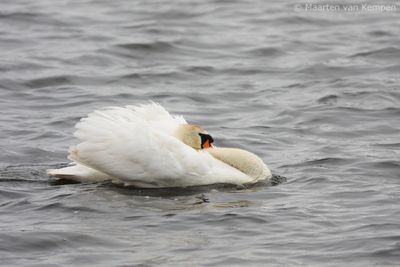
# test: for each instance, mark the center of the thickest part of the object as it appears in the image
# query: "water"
(315, 94)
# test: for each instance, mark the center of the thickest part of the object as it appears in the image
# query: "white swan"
(145, 146)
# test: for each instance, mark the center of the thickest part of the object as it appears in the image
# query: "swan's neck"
(246, 162)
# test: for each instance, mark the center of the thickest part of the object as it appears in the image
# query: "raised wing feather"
(157, 117)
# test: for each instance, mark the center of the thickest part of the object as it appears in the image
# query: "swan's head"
(194, 136)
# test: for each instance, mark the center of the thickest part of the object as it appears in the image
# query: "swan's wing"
(157, 117)
(124, 144)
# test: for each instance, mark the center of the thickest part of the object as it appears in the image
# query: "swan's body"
(147, 147)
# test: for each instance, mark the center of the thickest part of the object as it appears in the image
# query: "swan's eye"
(206, 140)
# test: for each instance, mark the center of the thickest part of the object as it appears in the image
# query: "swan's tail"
(78, 173)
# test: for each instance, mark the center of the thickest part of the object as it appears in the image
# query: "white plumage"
(135, 145)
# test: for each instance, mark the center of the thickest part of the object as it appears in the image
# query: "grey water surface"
(314, 93)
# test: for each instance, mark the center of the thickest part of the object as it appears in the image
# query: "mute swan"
(145, 146)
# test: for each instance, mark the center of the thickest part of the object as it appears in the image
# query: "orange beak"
(207, 144)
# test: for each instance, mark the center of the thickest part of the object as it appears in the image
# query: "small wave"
(31, 18)
(328, 71)
(329, 99)
(392, 69)
(383, 53)
(234, 218)
(388, 253)
(380, 33)
(332, 161)
(265, 51)
(39, 240)
(200, 69)
(158, 46)
(302, 20)
(48, 81)
(363, 100)
(69, 209)
(385, 165)
(388, 145)
(152, 74)
(10, 194)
